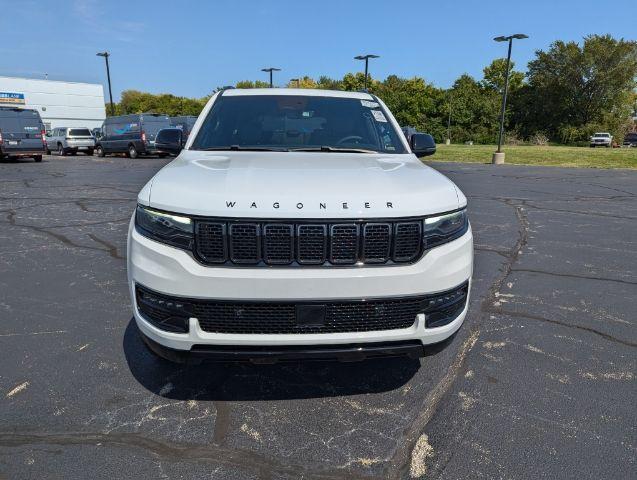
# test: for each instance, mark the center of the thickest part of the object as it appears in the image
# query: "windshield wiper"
(326, 148)
(243, 149)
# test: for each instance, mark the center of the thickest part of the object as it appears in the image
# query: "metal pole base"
(498, 158)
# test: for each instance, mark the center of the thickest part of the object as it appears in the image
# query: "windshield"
(286, 122)
(152, 124)
(79, 132)
(602, 135)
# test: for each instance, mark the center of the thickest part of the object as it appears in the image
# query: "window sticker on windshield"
(378, 115)
(368, 104)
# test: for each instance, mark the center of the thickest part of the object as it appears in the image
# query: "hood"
(299, 185)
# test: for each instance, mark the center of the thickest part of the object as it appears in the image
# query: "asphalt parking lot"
(539, 383)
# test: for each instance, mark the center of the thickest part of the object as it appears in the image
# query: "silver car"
(65, 140)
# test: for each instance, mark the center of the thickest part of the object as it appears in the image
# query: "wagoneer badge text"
(300, 205)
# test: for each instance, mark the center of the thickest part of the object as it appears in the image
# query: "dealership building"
(60, 104)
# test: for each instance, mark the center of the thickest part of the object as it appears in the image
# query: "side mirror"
(169, 140)
(422, 144)
(48, 134)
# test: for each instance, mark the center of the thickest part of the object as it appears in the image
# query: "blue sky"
(190, 47)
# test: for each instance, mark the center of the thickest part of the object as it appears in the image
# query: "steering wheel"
(350, 138)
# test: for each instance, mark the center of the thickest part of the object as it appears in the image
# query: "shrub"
(539, 138)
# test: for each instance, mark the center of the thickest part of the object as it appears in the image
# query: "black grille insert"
(258, 317)
(281, 243)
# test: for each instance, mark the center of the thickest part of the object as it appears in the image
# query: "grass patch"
(584, 157)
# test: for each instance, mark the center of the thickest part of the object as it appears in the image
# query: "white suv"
(602, 139)
(298, 223)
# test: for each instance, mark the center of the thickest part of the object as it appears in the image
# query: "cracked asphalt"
(539, 383)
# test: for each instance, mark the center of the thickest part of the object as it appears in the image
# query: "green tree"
(474, 111)
(303, 82)
(494, 76)
(586, 86)
(252, 84)
(414, 103)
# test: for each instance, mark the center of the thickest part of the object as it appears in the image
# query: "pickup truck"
(601, 140)
(64, 140)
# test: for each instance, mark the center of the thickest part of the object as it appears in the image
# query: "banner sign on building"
(12, 98)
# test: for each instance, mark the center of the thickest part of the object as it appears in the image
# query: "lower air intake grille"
(257, 317)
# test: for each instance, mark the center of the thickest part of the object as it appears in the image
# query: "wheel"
(90, 152)
(132, 151)
(73, 152)
(37, 158)
(100, 151)
(592, 146)
(163, 155)
(48, 152)
(61, 150)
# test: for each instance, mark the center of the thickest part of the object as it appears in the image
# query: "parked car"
(602, 139)
(21, 133)
(65, 140)
(298, 226)
(133, 135)
(185, 124)
(630, 140)
(169, 141)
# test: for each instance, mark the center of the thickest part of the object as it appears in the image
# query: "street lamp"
(366, 58)
(498, 157)
(271, 69)
(108, 75)
(298, 82)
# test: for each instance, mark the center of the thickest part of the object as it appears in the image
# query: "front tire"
(100, 151)
(61, 151)
(132, 152)
(37, 158)
(90, 152)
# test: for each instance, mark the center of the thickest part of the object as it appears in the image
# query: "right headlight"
(175, 230)
(444, 228)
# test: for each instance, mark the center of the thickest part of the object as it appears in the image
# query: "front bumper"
(174, 272)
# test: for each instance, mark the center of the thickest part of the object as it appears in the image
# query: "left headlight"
(175, 230)
(444, 228)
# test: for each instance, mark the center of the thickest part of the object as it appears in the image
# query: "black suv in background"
(185, 124)
(133, 135)
(630, 140)
(21, 133)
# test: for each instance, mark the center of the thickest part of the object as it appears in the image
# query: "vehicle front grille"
(279, 317)
(279, 243)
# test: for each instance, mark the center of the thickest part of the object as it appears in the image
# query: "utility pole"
(498, 156)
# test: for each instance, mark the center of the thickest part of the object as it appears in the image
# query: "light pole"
(108, 75)
(498, 157)
(366, 58)
(271, 69)
(448, 141)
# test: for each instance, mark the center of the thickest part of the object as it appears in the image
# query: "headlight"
(166, 228)
(444, 228)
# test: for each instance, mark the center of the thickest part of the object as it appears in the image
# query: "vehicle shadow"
(249, 382)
